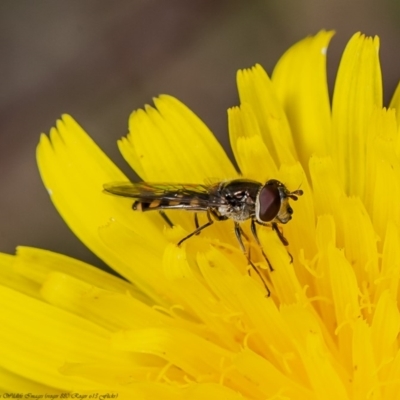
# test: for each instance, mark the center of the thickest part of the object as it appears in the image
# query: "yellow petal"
(256, 90)
(170, 143)
(110, 310)
(301, 85)
(391, 388)
(320, 287)
(328, 191)
(14, 383)
(194, 355)
(320, 367)
(395, 102)
(36, 264)
(13, 280)
(54, 337)
(271, 381)
(79, 196)
(210, 391)
(345, 299)
(390, 271)
(385, 328)
(326, 382)
(360, 240)
(383, 170)
(248, 146)
(365, 383)
(138, 259)
(247, 299)
(358, 90)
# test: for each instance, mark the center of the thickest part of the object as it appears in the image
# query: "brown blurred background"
(99, 60)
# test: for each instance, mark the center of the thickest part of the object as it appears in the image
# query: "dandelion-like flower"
(192, 321)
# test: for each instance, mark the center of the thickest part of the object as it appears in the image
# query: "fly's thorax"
(239, 196)
(236, 213)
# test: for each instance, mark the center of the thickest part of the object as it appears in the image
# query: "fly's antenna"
(294, 195)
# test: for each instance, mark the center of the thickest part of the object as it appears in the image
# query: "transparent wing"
(186, 194)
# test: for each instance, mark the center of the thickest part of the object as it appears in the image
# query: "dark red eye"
(269, 200)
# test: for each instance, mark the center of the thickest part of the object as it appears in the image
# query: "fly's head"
(272, 203)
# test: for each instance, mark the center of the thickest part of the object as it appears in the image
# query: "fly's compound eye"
(269, 202)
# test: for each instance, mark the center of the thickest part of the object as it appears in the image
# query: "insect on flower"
(238, 200)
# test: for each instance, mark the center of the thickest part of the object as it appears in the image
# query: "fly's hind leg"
(166, 219)
(195, 232)
(255, 234)
(198, 229)
(239, 233)
(196, 223)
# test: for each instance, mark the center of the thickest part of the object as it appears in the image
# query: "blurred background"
(99, 60)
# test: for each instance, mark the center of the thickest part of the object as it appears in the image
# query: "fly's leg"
(171, 224)
(280, 234)
(282, 238)
(196, 222)
(198, 230)
(254, 232)
(166, 219)
(239, 232)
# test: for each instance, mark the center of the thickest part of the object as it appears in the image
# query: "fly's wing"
(156, 196)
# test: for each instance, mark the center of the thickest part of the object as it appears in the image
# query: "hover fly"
(238, 200)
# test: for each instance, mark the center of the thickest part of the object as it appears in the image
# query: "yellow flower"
(190, 322)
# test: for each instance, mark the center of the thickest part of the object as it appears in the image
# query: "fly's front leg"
(239, 232)
(282, 238)
(280, 234)
(254, 232)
